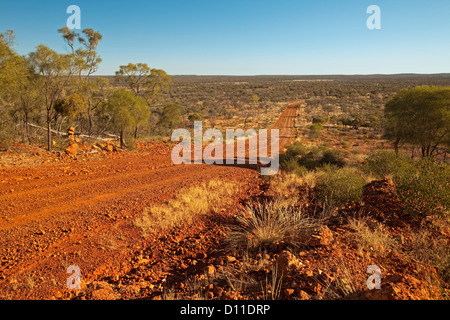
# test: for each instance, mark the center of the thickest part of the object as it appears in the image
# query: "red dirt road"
(55, 216)
(82, 213)
(252, 148)
(285, 124)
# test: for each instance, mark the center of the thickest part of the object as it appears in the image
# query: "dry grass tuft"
(346, 285)
(268, 223)
(187, 206)
(433, 251)
(371, 237)
(287, 184)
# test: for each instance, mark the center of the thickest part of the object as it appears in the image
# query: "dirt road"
(256, 147)
(285, 124)
(83, 212)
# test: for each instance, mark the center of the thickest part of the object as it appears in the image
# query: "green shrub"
(338, 186)
(299, 159)
(382, 163)
(195, 117)
(423, 187)
(291, 165)
(319, 119)
(296, 149)
(332, 157)
(315, 129)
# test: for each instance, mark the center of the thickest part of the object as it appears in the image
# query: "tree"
(197, 116)
(143, 80)
(357, 121)
(69, 107)
(29, 104)
(84, 58)
(419, 116)
(54, 73)
(14, 74)
(126, 111)
(171, 116)
(141, 114)
(13, 67)
(84, 61)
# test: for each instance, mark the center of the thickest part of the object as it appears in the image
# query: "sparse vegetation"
(287, 185)
(88, 179)
(371, 237)
(426, 248)
(422, 186)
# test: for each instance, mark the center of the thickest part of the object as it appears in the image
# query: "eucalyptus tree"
(126, 111)
(85, 62)
(54, 72)
(420, 117)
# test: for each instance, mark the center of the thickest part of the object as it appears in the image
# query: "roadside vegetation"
(322, 187)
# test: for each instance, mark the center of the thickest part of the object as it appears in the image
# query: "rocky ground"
(198, 263)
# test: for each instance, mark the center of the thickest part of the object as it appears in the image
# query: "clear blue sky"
(247, 37)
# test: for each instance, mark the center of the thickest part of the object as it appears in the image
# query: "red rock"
(303, 295)
(210, 270)
(72, 150)
(288, 292)
(282, 263)
(231, 259)
(326, 236)
(105, 292)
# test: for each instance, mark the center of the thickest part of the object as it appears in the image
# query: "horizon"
(298, 75)
(248, 38)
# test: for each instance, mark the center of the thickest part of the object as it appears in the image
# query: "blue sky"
(247, 37)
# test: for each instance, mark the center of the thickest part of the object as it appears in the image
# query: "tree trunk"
(121, 140)
(49, 134)
(27, 128)
(60, 125)
(91, 121)
(396, 143)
